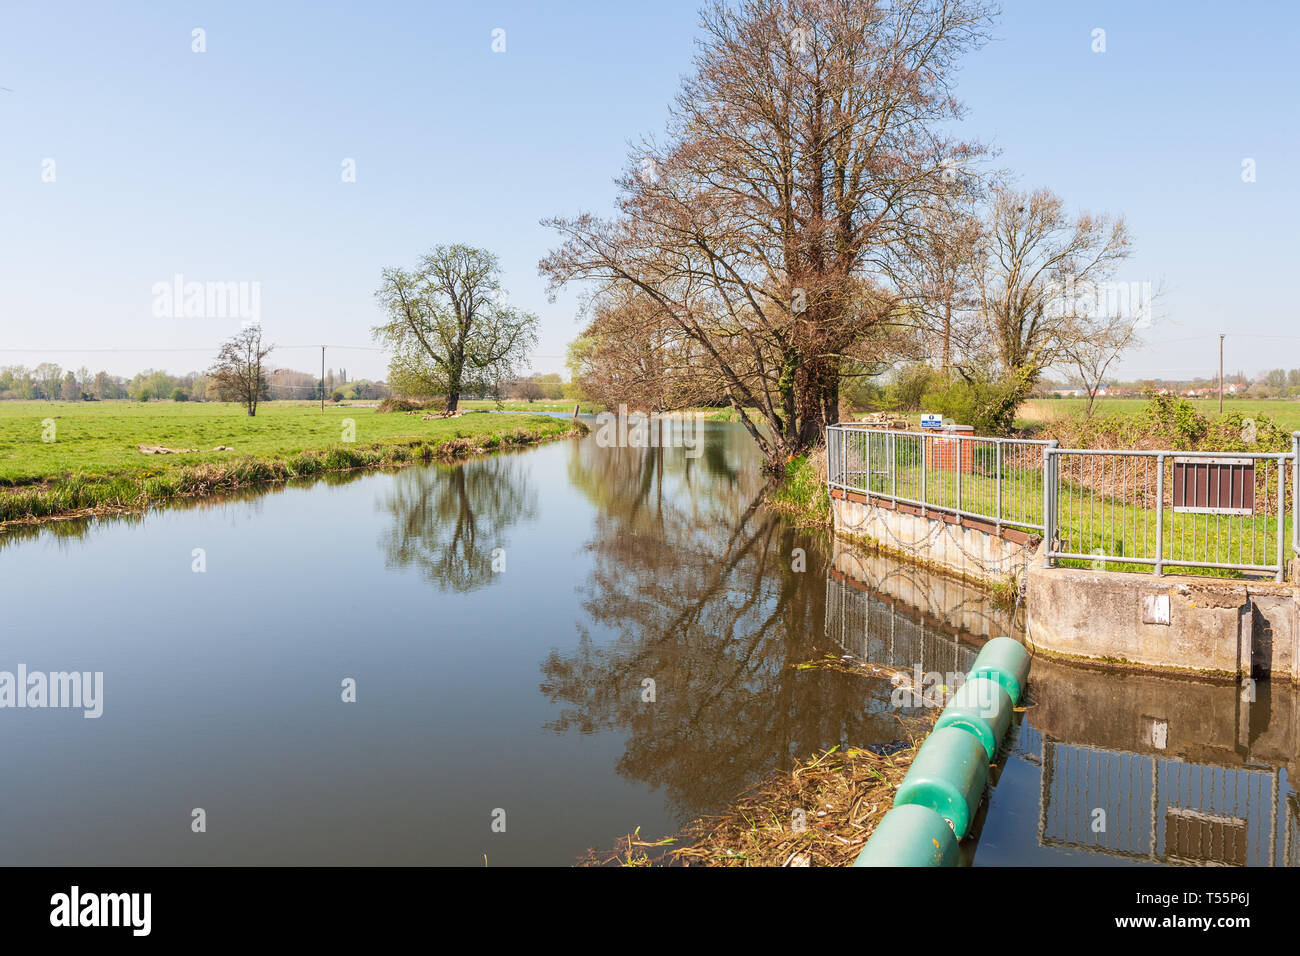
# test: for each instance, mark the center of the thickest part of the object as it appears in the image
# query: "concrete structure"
(944, 604)
(1186, 770)
(972, 549)
(1216, 627)
(1222, 628)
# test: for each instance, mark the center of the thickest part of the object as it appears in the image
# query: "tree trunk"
(456, 377)
(947, 341)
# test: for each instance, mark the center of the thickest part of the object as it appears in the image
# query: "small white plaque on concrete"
(1159, 733)
(1155, 609)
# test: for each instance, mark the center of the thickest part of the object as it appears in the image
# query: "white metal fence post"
(1160, 514)
(832, 466)
(1049, 501)
(923, 482)
(1281, 518)
(893, 464)
(961, 460)
(866, 463)
(831, 469)
(1295, 494)
(997, 481)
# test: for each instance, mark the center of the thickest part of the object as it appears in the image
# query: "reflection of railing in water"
(1292, 855)
(1164, 810)
(879, 631)
(1027, 744)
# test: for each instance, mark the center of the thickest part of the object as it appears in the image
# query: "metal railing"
(1117, 510)
(998, 480)
(1163, 509)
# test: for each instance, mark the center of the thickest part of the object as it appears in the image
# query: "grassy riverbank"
(76, 458)
(801, 495)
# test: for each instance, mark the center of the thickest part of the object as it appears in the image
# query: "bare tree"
(526, 389)
(449, 326)
(800, 152)
(633, 353)
(238, 373)
(1035, 270)
(1092, 356)
(938, 271)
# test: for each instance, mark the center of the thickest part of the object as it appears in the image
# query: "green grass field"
(68, 457)
(1040, 411)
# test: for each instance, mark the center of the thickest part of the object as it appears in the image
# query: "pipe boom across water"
(938, 798)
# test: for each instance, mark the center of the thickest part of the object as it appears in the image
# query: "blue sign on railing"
(931, 421)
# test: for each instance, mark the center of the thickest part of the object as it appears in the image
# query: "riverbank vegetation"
(843, 794)
(801, 494)
(64, 458)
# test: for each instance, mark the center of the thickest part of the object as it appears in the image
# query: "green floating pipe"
(1006, 661)
(938, 798)
(947, 776)
(981, 707)
(910, 835)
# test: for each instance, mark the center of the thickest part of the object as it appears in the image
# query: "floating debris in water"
(818, 814)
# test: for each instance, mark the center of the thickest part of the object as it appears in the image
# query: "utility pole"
(322, 377)
(1220, 373)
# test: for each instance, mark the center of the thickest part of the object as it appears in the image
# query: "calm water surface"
(480, 689)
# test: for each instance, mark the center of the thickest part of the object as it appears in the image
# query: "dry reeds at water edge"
(820, 813)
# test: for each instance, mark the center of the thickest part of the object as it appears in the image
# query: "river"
(547, 649)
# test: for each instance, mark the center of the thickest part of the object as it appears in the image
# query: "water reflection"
(1142, 768)
(448, 521)
(67, 531)
(693, 586)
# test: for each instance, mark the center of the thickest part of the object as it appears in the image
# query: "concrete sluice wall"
(1190, 624)
(1221, 627)
(887, 611)
(1185, 771)
(970, 549)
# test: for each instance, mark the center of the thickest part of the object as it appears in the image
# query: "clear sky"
(227, 165)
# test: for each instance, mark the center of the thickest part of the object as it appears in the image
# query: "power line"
(208, 351)
(128, 348)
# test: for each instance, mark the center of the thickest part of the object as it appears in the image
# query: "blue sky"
(226, 165)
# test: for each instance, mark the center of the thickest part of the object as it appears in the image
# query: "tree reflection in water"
(692, 586)
(447, 520)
